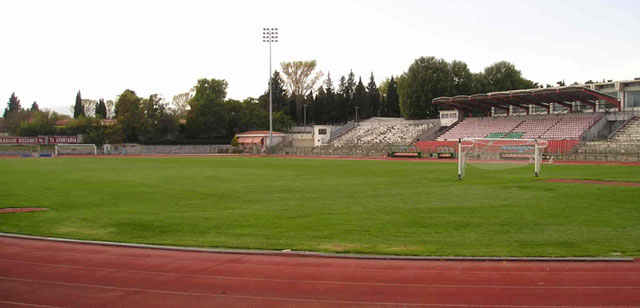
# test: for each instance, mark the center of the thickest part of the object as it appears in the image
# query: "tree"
(360, 100)
(393, 99)
(373, 97)
(308, 101)
(279, 97)
(111, 110)
(206, 118)
(426, 79)
(503, 76)
(129, 115)
(331, 103)
(282, 122)
(13, 106)
(462, 81)
(180, 103)
(301, 76)
(319, 107)
(34, 107)
(101, 109)
(252, 116)
(344, 99)
(78, 108)
(42, 123)
(89, 106)
(157, 123)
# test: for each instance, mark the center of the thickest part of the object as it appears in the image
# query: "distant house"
(259, 140)
(63, 122)
(108, 122)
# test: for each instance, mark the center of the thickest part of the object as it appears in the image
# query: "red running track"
(38, 273)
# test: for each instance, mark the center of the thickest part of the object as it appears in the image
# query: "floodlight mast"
(270, 35)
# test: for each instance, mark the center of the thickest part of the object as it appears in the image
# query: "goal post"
(499, 153)
(76, 149)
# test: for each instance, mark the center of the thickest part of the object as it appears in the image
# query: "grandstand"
(629, 132)
(384, 131)
(568, 126)
(622, 145)
(572, 120)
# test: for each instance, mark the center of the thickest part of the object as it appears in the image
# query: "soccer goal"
(498, 153)
(24, 150)
(76, 149)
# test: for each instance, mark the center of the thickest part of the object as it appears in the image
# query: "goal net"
(498, 154)
(76, 149)
(24, 150)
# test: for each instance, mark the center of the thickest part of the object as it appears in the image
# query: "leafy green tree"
(78, 108)
(206, 119)
(392, 99)
(373, 97)
(234, 116)
(503, 76)
(34, 107)
(462, 80)
(157, 122)
(129, 114)
(480, 83)
(252, 116)
(41, 123)
(101, 109)
(282, 122)
(427, 78)
(360, 100)
(234, 141)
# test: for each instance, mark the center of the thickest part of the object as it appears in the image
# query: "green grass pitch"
(385, 207)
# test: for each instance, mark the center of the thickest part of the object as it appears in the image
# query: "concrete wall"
(329, 150)
(302, 140)
(140, 149)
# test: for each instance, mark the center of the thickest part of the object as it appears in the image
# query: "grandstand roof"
(524, 98)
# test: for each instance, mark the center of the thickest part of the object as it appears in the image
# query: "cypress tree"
(13, 106)
(373, 97)
(320, 107)
(78, 109)
(34, 107)
(101, 109)
(309, 102)
(393, 100)
(360, 100)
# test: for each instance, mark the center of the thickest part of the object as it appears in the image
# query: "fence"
(140, 149)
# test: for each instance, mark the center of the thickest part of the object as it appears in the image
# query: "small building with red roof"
(259, 140)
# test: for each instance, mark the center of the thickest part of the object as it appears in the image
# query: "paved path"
(37, 273)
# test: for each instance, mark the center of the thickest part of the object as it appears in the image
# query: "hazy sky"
(51, 49)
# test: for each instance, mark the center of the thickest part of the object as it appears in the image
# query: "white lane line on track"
(29, 305)
(288, 298)
(323, 281)
(541, 271)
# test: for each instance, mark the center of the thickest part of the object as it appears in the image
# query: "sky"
(49, 50)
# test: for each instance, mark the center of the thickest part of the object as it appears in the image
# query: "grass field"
(387, 207)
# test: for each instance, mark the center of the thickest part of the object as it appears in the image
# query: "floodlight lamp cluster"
(270, 35)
